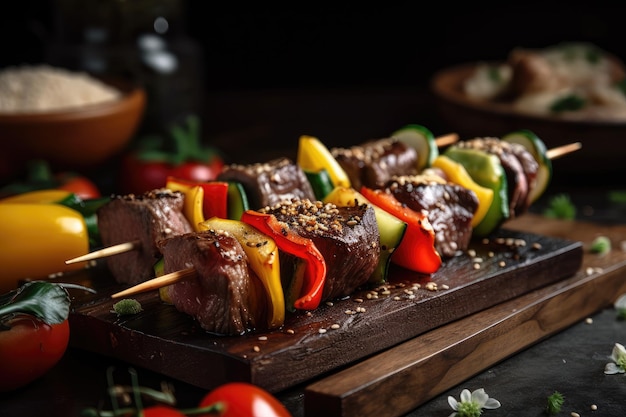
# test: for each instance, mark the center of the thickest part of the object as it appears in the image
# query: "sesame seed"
(321, 331)
(262, 338)
(589, 320)
(256, 348)
(594, 407)
(290, 331)
(574, 414)
(335, 326)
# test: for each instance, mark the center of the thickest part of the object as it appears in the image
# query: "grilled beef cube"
(450, 208)
(530, 167)
(223, 295)
(516, 178)
(146, 218)
(374, 163)
(347, 238)
(271, 182)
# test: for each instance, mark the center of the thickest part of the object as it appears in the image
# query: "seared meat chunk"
(145, 218)
(375, 162)
(530, 166)
(222, 296)
(450, 208)
(347, 238)
(270, 182)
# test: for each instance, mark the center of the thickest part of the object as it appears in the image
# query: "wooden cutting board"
(418, 370)
(330, 338)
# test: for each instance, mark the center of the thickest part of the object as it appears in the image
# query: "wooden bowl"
(74, 138)
(603, 149)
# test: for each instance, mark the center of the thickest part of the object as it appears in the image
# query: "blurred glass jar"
(143, 41)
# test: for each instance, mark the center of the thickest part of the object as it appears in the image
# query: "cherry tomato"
(140, 176)
(29, 349)
(79, 185)
(160, 411)
(242, 399)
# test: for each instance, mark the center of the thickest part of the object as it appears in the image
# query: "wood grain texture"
(424, 367)
(169, 342)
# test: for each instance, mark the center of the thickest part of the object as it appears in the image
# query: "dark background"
(397, 44)
(261, 75)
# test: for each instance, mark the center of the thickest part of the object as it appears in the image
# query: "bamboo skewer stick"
(156, 283)
(560, 151)
(108, 251)
(446, 140)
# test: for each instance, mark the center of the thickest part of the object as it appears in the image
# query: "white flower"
(471, 405)
(618, 356)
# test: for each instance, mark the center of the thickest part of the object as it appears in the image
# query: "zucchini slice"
(237, 200)
(422, 140)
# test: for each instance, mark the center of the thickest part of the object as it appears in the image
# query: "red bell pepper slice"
(294, 244)
(215, 202)
(417, 250)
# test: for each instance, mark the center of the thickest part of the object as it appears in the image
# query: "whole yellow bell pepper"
(37, 239)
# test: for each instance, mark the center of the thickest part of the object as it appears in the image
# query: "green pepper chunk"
(486, 170)
(321, 183)
(88, 208)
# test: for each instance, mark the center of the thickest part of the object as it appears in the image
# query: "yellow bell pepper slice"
(457, 174)
(36, 241)
(262, 254)
(314, 156)
(193, 206)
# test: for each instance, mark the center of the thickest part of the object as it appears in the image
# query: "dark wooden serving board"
(423, 367)
(336, 335)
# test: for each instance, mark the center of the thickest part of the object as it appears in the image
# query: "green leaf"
(47, 301)
(560, 207)
(568, 103)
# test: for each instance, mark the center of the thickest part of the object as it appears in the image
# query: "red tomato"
(241, 399)
(81, 186)
(29, 349)
(138, 176)
(160, 411)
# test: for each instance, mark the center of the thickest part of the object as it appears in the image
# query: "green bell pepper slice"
(487, 171)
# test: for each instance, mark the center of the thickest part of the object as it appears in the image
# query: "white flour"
(29, 89)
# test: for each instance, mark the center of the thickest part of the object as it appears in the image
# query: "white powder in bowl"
(30, 89)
